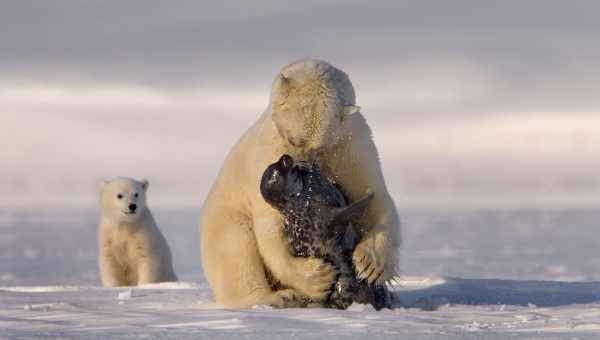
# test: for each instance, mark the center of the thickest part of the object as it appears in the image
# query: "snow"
(450, 288)
(448, 307)
(126, 295)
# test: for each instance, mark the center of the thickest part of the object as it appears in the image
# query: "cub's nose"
(132, 207)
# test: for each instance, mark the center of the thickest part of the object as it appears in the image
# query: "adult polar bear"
(312, 115)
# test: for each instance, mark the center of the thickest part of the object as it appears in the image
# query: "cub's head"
(280, 180)
(123, 199)
(310, 100)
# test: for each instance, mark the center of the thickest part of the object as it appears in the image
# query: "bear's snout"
(132, 207)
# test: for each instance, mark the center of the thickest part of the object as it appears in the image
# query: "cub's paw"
(315, 279)
(369, 264)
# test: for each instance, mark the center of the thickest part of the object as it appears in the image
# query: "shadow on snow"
(499, 292)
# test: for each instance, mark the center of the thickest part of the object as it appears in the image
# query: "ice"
(262, 307)
(358, 307)
(44, 307)
(465, 275)
(169, 285)
(189, 312)
(8, 277)
(42, 289)
(126, 295)
(30, 253)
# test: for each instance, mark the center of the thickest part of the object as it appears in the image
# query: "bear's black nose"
(132, 207)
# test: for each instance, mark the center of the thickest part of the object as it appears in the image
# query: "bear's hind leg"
(233, 266)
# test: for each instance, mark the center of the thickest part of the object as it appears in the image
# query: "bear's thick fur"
(133, 251)
(312, 116)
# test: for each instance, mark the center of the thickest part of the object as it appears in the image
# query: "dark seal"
(318, 222)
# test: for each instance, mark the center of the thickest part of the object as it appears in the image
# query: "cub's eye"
(136, 195)
(119, 196)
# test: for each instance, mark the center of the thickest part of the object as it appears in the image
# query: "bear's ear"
(281, 89)
(350, 109)
(102, 184)
(145, 184)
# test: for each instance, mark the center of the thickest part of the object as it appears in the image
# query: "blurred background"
(474, 106)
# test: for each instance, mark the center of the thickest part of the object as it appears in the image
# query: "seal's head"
(310, 100)
(281, 180)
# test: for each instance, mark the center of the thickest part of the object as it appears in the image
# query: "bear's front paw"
(369, 264)
(316, 278)
(288, 298)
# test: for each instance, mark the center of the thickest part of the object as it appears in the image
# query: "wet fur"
(318, 222)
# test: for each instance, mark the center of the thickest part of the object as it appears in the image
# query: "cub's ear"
(102, 184)
(145, 184)
(350, 109)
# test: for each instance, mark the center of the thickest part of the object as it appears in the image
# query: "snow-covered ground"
(467, 274)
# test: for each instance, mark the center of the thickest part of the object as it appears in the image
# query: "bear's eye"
(119, 196)
(136, 195)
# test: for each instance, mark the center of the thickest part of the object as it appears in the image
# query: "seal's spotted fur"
(318, 223)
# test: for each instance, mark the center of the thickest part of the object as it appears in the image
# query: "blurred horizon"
(469, 103)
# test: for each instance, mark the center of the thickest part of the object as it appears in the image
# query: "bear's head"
(310, 100)
(123, 199)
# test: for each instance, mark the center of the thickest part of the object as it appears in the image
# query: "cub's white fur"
(133, 251)
(312, 115)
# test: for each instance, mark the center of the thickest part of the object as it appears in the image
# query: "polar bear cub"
(133, 251)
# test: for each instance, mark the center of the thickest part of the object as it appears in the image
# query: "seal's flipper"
(355, 210)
